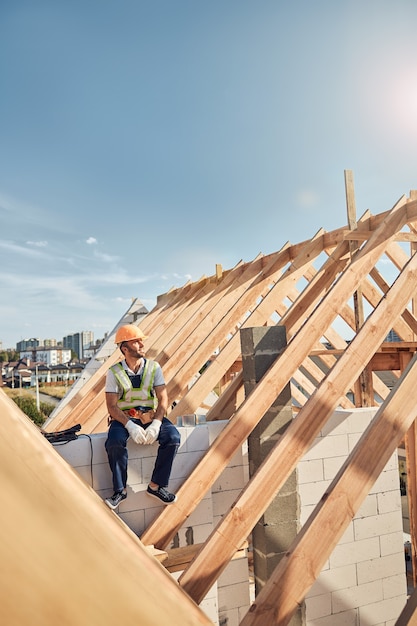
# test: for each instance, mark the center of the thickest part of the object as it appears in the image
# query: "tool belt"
(143, 413)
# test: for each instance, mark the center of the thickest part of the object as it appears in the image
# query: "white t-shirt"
(112, 385)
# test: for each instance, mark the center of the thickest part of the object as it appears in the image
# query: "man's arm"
(153, 429)
(162, 396)
(136, 432)
(114, 411)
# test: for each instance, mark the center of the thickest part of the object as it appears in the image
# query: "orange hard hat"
(128, 332)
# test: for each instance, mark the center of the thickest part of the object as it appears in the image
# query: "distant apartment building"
(49, 356)
(49, 343)
(26, 344)
(79, 342)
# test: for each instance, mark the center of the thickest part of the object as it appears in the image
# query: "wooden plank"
(302, 563)
(301, 309)
(259, 314)
(185, 321)
(167, 326)
(259, 317)
(210, 330)
(385, 361)
(177, 559)
(362, 387)
(411, 461)
(364, 235)
(222, 320)
(261, 398)
(89, 408)
(296, 440)
(411, 454)
(409, 613)
(66, 554)
(229, 401)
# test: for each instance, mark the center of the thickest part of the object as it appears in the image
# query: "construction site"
(291, 379)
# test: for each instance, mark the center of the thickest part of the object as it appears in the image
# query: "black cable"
(91, 456)
(62, 437)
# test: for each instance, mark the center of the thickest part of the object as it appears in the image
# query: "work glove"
(152, 431)
(136, 432)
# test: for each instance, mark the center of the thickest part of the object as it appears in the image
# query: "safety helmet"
(127, 333)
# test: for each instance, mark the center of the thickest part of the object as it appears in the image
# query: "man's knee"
(115, 448)
(169, 436)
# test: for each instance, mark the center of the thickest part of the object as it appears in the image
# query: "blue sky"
(144, 142)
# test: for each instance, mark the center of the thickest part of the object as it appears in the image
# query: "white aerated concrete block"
(365, 574)
(87, 455)
(346, 618)
(357, 596)
(319, 606)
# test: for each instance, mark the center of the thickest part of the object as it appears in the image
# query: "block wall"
(364, 581)
(228, 600)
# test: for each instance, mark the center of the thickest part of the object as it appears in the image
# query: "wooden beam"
(177, 559)
(302, 563)
(187, 322)
(259, 314)
(262, 397)
(386, 361)
(411, 462)
(241, 300)
(362, 388)
(296, 440)
(229, 401)
(363, 235)
(408, 615)
(66, 553)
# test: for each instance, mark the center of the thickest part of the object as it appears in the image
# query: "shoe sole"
(112, 506)
(153, 495)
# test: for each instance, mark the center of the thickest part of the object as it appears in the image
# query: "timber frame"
(339, 295)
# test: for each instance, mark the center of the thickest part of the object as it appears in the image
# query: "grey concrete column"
(278, 526)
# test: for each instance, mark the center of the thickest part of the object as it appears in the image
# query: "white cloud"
(107, 258)
(38, 244)
(11, 246)
(91, 241)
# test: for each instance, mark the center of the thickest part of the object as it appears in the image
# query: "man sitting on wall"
(137, 401)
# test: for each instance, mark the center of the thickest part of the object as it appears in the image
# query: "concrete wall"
(228, 600)
(364, 580)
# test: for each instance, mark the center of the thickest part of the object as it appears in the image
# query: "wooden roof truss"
(359, 280)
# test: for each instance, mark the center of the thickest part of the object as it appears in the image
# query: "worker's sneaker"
(116, 499)
(162, 494)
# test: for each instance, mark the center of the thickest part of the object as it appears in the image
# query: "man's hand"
(136, 432)
(152, 431)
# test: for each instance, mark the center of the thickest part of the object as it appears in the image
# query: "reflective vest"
(141, 396)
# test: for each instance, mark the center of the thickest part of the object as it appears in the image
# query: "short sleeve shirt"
(112, 385)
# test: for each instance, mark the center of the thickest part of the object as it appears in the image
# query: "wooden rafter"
(294, 442)
(199, 324)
